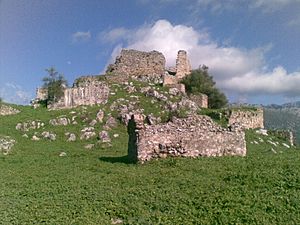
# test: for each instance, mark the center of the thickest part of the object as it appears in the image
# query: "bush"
(199, 81)
(55, 84)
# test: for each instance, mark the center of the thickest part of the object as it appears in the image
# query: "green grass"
(219, 116)
(95, 186)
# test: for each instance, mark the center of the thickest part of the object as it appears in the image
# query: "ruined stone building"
(194, 136)
(137, 63)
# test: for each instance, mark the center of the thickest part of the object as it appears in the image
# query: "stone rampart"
(248, 119)
(194, 136)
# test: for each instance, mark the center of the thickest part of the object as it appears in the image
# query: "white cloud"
(14, 93)
(81, 36)
(114, 35)
(236, 70)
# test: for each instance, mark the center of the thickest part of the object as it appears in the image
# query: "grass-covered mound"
(100, 186)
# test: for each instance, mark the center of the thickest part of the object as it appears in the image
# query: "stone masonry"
(137, 63)
(89, 91)
(194, 136)
(249, 119)
(183, 66)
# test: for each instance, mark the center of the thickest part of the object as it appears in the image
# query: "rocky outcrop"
(185, 137)
(7, 110)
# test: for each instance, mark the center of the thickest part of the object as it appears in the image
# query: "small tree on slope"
(55, 84)
(199, 81)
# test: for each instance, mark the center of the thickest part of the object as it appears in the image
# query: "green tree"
(199, 81)
(1, 101)
(55, 84)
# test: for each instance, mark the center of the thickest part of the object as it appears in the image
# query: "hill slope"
(91, 181)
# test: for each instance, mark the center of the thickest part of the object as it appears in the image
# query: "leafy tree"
(55, 84)
(1, 101)
(199, 81)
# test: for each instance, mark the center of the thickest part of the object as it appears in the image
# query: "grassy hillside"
(283, 118)
(101, 186)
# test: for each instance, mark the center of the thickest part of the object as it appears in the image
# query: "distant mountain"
(285, 105)
(287, 117)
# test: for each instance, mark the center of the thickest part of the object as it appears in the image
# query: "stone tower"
(183, 66)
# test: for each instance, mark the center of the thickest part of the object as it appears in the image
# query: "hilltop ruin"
(130, 64)
(191, 136)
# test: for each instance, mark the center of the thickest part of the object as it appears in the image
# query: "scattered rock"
(6, 144)
(89, 146)
(116, 135)
(70, 137)
(49, 135)
(111, 122)
(100, 115)
(130, 89)
(87, 133)
(93, 123)
(285, 145)
(62, 121)
(104, 136)
(152, 120)
(35, 138)
(116, 221)
(262, 132)
(25, 135)
(155, 94)
(8, 110)
(186, 103)
(174, 91)
(29, 125)
(62, 154)
(272, 143)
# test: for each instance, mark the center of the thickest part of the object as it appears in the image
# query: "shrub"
(55, 84)
(199, 81)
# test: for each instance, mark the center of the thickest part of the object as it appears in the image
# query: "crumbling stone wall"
(85, 91)
(248, 119)
(194, 136)
(201, 100)
(137, 63)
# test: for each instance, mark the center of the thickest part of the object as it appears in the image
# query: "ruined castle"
(193, 136)
(130, 64)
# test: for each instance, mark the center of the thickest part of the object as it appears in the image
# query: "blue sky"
(251, 46)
